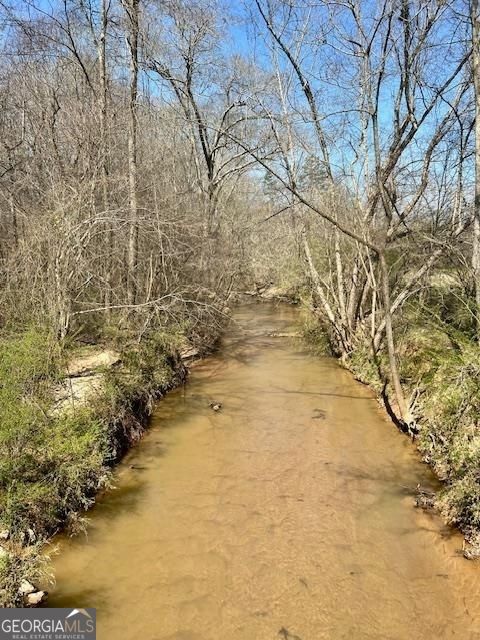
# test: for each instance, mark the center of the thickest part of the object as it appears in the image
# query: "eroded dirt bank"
(287, 514)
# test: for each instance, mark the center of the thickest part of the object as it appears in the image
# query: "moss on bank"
(53, 463)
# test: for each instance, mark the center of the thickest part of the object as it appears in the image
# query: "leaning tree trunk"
(342, 343)
(404, 409)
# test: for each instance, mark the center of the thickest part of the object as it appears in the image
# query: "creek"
(286, 514)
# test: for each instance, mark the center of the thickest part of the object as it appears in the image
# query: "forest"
(160, 158)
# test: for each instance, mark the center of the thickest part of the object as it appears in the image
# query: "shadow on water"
(282, 391)
(88, 598)
(112, 505)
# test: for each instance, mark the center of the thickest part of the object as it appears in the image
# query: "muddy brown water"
(288, 514)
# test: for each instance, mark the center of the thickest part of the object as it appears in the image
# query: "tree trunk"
(342, 343)
(340, 281)
(132, 9)
(104, 149)
(392, 356)
(475, 18)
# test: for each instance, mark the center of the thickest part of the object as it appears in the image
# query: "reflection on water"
(288, 514)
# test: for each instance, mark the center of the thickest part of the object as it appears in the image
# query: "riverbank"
(440, 374)
(287, 512)
(68, 414)
(91, 406)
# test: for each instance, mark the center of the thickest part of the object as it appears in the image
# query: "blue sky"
(241, 40)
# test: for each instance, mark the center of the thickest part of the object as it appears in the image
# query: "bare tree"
(475, 20)
(378, 39)
(132, 11)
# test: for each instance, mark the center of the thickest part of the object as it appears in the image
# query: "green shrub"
(422, 350)
(316, 335)
(53, 463)
(450, 435)
(49, 464)
(58, 472)
(27, 360)
(364, 367)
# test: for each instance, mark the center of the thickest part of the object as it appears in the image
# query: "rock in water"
(26, 588)
(425, 498)
(36, 598)
(216, 406)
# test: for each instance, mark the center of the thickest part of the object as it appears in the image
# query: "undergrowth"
(52, 463)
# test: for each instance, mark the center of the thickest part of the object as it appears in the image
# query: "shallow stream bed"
(286, 514)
